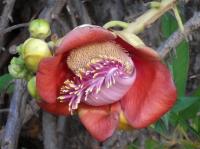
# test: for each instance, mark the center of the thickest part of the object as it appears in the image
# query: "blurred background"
(178, 129)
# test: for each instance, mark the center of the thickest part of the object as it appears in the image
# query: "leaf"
(180, 62)
(4, 81)
(185, 102)
(191, 111)
(196, 92)
(152, 144)
(134, 145)
(160, 127)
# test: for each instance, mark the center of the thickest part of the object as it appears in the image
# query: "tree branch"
(52, 9)
(5, 17)
(175, 39)
(15, 117)
(49, 131)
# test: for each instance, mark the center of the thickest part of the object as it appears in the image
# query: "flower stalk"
(121, 24)
(150, 16)
(178, 18)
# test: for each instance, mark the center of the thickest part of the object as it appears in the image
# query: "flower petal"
(100, 121)
(82, 35)
(141, 51)
(55, 108)
(50, 76)
(152, 94)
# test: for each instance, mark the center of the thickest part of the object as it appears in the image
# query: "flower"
(106, 78)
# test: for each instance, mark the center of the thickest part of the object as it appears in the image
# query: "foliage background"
(180, 128)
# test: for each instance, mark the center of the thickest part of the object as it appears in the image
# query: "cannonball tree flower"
(103, 77)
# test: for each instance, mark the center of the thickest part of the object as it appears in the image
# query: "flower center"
(80, 58)
(103, 74)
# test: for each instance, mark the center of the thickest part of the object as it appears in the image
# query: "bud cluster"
(31, 52)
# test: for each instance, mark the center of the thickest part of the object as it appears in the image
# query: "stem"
(191, 25)
(154, 4)
(149, 17)
(178, 18)
(110, 24)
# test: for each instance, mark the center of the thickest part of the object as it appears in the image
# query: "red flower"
(102, 76)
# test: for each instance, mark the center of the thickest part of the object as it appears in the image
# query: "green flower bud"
(17, 71)
(34, 50)
(39, 28)
(17, 61)
(32, 88)
(20, 49)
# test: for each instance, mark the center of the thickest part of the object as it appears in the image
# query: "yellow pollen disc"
(81, 58)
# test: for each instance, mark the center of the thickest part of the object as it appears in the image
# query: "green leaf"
(191, 111)
(134, 145)
(4, 81)
(152, 144)
(180, 62)
(185, 102)
(196, 92)
(159, 127)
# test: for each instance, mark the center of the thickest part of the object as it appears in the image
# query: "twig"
(16, 114)
(5, 17)
(191, 25)
(150, 16)
(4, 110)
(60, 133)
(49, 131)
(78, 13)
(194, 76)
(9, 29)
(52, 9)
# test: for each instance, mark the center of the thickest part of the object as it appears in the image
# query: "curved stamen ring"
(104, 82)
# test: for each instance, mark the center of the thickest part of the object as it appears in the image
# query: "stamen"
(90, 83)
(83, 57)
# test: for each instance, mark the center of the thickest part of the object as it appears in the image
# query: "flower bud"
(39, 28)
(20, 49)
(32, 88)
(34, 50)
(17, 67)
(123, 123)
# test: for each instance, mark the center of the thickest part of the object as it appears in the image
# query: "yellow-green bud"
(20, 49)
(17, 71)
(34, 50)
(32, 88)
(17, 67)
(39, 28)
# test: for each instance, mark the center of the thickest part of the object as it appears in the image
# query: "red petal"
(142, 52)
(101, 121)
(50, 76)
(83, 35)
(56, 108)
(152, 94)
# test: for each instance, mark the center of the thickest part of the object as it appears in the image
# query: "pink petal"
(152, 94)
(83, 35)
(143, 52)
(50, 76)
(56, 108)
(100, 121)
